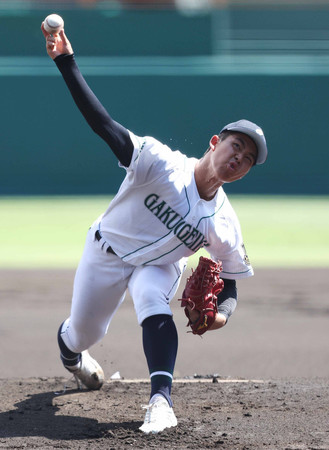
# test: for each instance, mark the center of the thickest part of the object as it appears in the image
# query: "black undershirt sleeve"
(228, 298)
(115, 135)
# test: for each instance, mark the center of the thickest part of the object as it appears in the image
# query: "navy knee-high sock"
(69, 358)
(160, 342)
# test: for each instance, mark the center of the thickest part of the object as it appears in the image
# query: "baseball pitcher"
(168, 207)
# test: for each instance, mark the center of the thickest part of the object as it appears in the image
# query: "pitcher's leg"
(160, 342)
(152, 289)
(99, 289)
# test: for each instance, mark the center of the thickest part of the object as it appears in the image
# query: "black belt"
(109, 248)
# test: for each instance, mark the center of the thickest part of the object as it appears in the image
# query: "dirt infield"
(275, 415)
(262, 381)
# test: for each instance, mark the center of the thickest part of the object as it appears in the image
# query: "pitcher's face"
(232, 157)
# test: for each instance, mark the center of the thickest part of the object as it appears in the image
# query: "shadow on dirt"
(39, 415)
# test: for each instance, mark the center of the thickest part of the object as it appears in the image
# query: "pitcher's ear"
(214, 141)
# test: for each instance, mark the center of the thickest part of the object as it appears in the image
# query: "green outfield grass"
(49, 232)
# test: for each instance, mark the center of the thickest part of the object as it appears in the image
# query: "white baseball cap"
(253, 131)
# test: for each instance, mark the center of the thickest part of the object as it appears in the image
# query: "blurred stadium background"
(178, 70)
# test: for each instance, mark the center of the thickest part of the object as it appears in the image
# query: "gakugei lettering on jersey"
(189, 235)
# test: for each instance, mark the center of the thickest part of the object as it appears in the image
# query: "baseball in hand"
(53, 24)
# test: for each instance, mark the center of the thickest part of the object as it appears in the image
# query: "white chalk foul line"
(188, 380)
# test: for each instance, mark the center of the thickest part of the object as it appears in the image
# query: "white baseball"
(53, 23)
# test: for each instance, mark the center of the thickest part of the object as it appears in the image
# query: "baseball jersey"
(157, 216)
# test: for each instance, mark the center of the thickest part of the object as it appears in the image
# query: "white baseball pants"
(100, 285)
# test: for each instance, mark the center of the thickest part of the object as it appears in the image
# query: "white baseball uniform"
(156, 220)
(158, 217)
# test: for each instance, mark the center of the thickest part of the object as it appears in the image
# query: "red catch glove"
(200, 294)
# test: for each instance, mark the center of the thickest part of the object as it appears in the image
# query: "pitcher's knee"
(148, 306)
(79, 337)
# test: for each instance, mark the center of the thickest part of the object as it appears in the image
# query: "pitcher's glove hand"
(200, 294)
